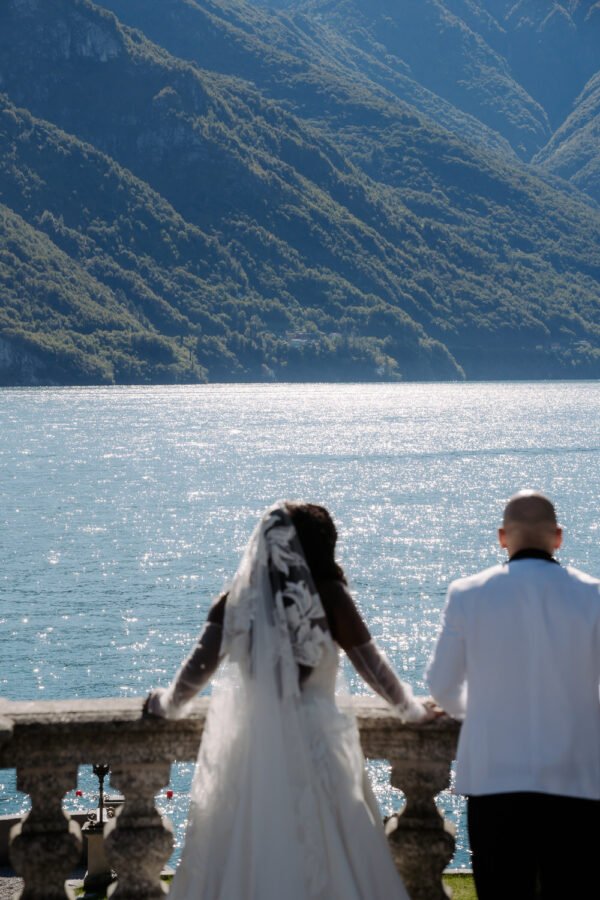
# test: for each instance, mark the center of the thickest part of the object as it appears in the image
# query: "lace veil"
(274, 617)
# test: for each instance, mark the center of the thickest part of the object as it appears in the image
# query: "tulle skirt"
(297, 820)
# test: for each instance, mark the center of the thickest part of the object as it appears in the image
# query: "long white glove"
(373, 666)
(195, 672)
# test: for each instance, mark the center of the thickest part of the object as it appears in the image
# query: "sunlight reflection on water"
(124, 511)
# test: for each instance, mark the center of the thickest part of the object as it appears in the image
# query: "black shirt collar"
(533, 553)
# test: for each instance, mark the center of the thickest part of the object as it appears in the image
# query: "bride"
(280, 802)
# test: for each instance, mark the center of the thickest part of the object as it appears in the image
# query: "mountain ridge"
(273, 217)
(573, 153)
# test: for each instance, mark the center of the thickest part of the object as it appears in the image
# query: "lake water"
(124, 511)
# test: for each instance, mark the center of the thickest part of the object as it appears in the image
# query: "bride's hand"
(147, 711)
(432, 711)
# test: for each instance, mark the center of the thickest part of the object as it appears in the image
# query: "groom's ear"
(502, 537)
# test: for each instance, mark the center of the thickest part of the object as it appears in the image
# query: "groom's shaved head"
(529, 510)
(530, 521)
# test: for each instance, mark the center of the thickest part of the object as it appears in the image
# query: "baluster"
(422, 841)
(138, 843)
(46, 845)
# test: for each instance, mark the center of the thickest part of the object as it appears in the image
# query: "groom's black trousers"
(529, 845)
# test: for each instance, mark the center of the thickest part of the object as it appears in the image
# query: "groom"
(518, 658)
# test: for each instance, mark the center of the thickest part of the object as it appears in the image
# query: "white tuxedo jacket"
(518, 659)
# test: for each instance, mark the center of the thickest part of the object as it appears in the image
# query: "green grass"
(463, 887)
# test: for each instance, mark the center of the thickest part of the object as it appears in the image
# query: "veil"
(254, 816)
(275, 624)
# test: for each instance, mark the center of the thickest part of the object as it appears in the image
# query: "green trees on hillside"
(162, 222)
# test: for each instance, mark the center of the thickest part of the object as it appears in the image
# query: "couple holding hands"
(281, 808)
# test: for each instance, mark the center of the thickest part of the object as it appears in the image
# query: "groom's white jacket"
(518, 659)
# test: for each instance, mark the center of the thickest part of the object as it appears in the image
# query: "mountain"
(318, 73)
(574, 151)
(149, 266)
(551, 48)
(518, 67)
(118, 237)
(36, 343)
(248, 194)
(445, 55)
(554, 49)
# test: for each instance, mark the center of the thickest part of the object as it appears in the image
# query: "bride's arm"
(350, 632)
(373, 666)
(194, 673)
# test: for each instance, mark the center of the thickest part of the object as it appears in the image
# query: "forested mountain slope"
(574, 151)
(43, 292)
(444, 54)
(319, 73)
(247, 198)
(520, 67)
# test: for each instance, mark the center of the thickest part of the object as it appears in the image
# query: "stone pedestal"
(99, 874)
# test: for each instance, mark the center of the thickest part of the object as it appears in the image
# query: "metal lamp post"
(101, 771)
(99, 873)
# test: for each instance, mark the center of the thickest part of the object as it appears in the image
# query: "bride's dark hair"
(318, 536)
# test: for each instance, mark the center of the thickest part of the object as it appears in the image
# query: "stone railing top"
(70, 728)
(370, 711)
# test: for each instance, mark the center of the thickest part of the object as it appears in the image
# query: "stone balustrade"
(47, 741)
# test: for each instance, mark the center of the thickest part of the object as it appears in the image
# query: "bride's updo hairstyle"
(318, 536)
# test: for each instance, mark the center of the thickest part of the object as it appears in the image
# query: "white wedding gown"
(307, 829)
(281, 808)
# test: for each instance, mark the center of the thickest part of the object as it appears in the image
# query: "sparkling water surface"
(124, 511)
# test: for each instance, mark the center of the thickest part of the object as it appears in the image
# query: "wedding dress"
(281, 807)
